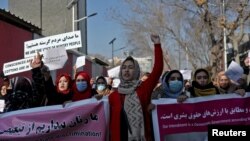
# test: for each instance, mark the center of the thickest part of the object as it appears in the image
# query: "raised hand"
(155, 39)
(37, 61)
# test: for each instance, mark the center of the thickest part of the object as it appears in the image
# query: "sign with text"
(234, 71)
(55, 58)
(80, 61)
(189, 120)
(76, 121)
(68, 40)
(17, 66)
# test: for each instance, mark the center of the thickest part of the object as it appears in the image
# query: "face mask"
(175, 86)
(81, 86)
(101, 87)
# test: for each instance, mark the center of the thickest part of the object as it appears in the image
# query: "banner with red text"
(76, 121)
(188, 121)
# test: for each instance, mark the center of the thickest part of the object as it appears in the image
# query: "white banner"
(68, 40)
(17, 66)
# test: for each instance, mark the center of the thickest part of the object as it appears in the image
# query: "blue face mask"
(100, 87)
(81, 86)
(175, 86)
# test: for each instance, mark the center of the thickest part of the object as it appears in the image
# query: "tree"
(194, 26)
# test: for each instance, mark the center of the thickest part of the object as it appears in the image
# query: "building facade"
(14, 31)
(53, 16)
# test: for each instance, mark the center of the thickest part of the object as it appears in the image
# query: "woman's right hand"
(37, 61)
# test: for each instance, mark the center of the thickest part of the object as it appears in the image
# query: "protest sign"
(17, 66)
(70, 40)
(186, 74)
(80, 61)
(55, 58)
(189, 120)
(2, 105)
(114, 72)
(116, 82)
(76, 121)
(234, 71)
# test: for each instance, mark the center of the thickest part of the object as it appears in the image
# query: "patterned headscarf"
(127, 87)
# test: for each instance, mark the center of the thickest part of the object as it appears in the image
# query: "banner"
(77, 121)
(189, 120)
(70, 40)
(17, 66)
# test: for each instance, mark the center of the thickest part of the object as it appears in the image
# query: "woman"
(129, 117)
(172, 86)
(82, 88)
(202, 85)
(226, 86)
(61, 92)
(101, 87)
(24, 93)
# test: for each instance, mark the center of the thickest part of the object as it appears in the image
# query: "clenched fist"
(155, 39)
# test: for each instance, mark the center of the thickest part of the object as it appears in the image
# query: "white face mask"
(100, 87)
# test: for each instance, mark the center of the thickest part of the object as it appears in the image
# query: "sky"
(101, 30)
